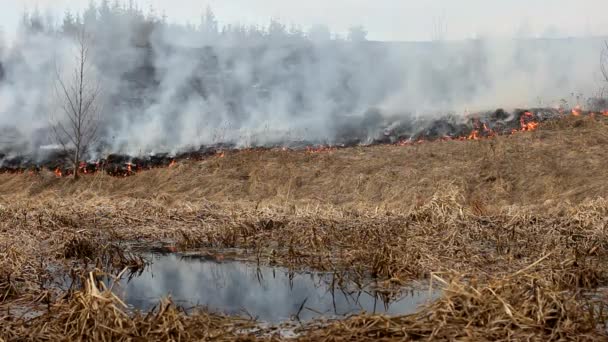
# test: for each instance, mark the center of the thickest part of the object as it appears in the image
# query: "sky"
(384, 19)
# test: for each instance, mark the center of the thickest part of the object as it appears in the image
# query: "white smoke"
(169, 87)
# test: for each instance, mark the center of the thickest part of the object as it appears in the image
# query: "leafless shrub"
(604, 62)
(75, 128)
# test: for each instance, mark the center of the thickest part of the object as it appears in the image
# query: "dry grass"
(515, 225)
(98, 315)
(507, 309)
(561, 161)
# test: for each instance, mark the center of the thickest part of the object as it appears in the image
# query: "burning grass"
(512, 228)
(475, 127)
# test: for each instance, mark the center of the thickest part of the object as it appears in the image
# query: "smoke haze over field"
(168, 87)
(388, 20)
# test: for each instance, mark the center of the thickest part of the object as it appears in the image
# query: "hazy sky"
(385, 19)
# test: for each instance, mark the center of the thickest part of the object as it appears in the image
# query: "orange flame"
(172, 164)
(527, 126)
(577, 111)
(319, 149)
(530, 126)
(82, 167)
(58, 172)
(605, 113)
(489, 132)
(474, 135)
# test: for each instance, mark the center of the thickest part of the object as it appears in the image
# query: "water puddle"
(265, 293)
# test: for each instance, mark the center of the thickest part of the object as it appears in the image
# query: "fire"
(319, 149)
(605, 113)
(407, 142)
(527, 126)
(477, 130)
(481, 130)
(83, 167)
(489, 132)
(530, 126)
(474, 135)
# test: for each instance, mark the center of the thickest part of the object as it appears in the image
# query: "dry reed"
(516, 227)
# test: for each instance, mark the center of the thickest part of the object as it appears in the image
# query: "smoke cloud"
(168, 88)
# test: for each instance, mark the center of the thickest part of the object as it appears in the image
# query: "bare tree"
(604, 61)
(75, 127)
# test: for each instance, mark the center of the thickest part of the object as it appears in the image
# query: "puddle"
(268, 294)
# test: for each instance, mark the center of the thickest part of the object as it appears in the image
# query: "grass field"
(514, 229)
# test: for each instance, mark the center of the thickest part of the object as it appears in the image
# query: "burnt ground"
(369, 130)
(513, 228)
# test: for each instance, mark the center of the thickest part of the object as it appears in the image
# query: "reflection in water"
(266, 293)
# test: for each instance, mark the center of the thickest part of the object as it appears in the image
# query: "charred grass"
(512, 229)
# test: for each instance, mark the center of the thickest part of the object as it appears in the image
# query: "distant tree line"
(141, 23)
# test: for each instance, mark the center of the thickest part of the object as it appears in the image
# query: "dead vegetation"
(514, 229)
(95, 314)
(522, 308)
(563, 161)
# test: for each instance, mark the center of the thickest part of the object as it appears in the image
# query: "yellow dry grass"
(563, 161)
(513, 228)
